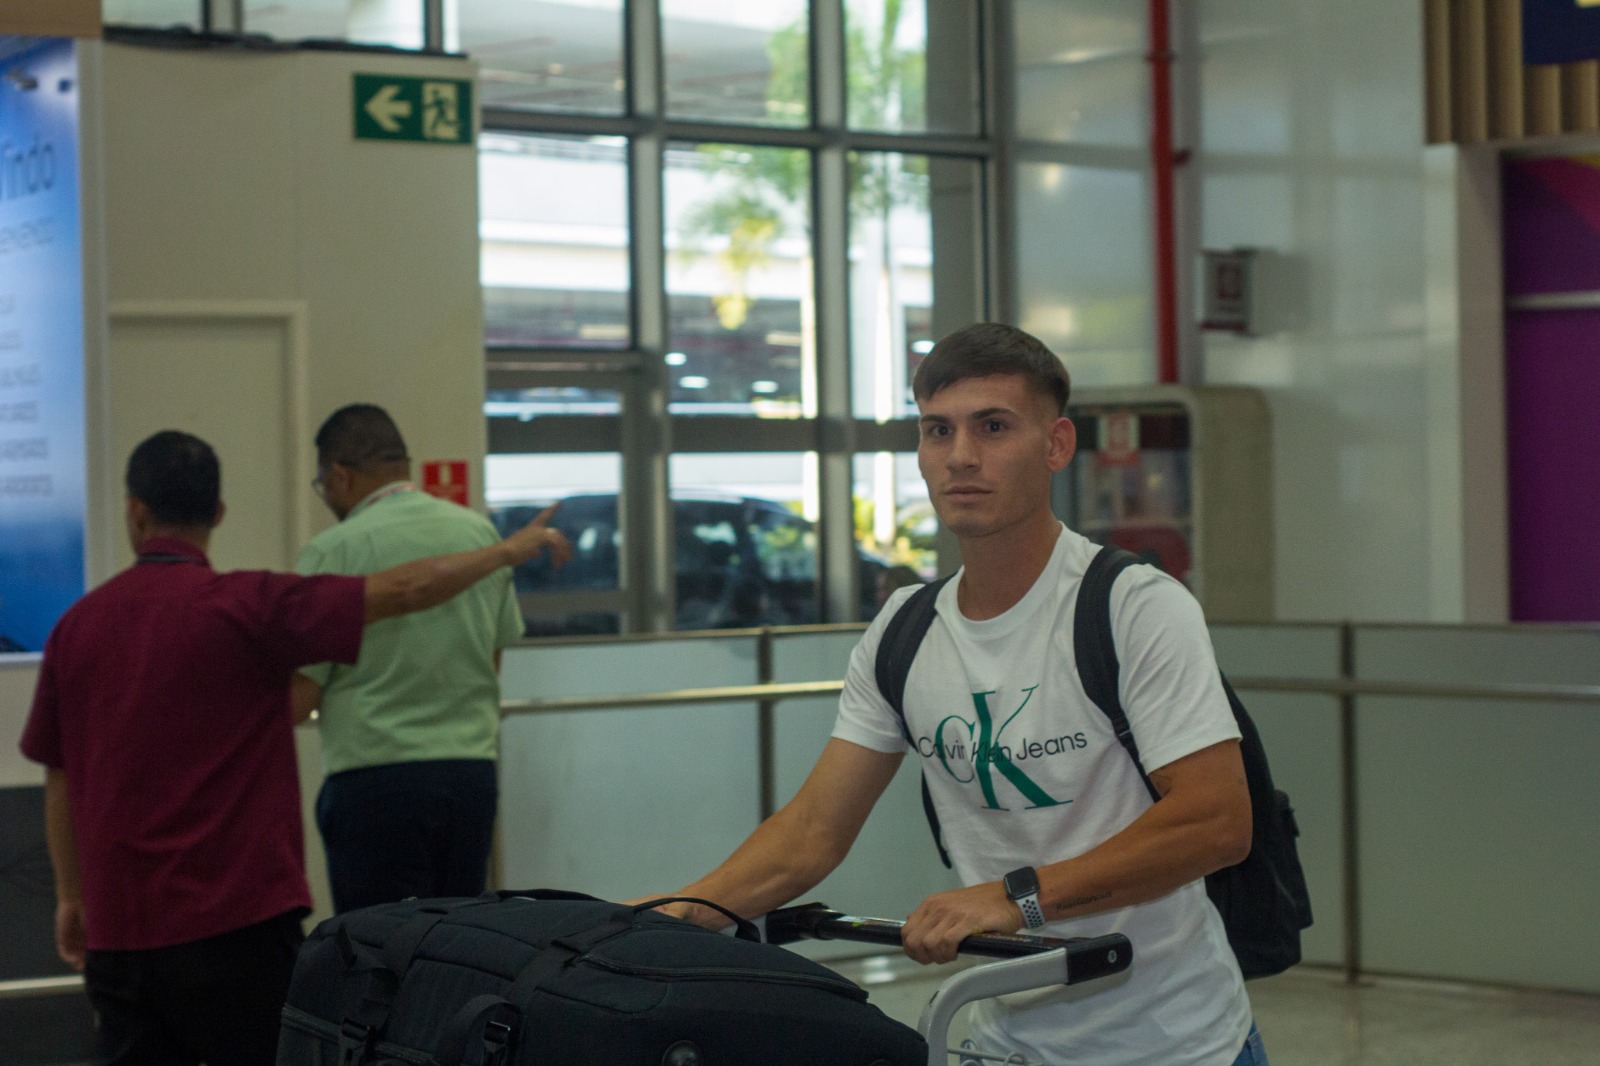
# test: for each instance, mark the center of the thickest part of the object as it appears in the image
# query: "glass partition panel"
(1550, 655)
(623, 803)
(1477, 840)
(1084, 275)
(545, 55)
(553, 226)
(1301, 734)
(745, 539)
(597, 801)
(891, 281)
(890, 45)
(626, 667)
(1310, 652)
(739, 281)
(813, 656)
(745, 63)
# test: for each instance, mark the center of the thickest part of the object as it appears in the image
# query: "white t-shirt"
(1025, 771)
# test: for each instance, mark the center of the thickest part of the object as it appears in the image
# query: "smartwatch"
(1022, 888)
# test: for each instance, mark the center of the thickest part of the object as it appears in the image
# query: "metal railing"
(1346, 688)
(767, 694)
(34, 987)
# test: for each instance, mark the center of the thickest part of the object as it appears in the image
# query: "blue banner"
(1560, 31)
(43, 495)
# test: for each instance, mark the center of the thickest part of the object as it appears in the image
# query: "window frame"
(976, 287)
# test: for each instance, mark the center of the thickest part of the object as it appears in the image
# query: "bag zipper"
(728, 973)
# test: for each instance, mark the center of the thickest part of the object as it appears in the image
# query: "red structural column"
(1163, 162)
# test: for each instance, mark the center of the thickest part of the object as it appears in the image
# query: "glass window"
(550, 55)
(1082, 79)
(895, 526)
(739, 281)
(528, 404)
(401, 23)
(891, 281)
(889, 47)
(730, 62)
(161, 14)
(554, 235)
(587, 486)
(1083, 275)
(745, 539)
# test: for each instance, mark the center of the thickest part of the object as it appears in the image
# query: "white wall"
(265, 268)
(1310, 147)
(1379, 350)
(244, 220)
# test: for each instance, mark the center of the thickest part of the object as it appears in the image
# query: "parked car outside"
(740, 561)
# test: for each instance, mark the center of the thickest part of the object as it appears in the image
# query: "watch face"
(1021, 882)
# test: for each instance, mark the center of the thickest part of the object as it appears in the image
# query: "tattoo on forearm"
(1079, 901)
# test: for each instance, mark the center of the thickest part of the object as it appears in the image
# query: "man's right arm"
(62, 844)
(797, 847)
(425, 583)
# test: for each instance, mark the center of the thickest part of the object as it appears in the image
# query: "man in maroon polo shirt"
(172, 800)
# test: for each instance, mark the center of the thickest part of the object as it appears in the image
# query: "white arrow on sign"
(386, 111)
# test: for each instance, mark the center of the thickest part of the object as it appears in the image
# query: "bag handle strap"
(743, 928)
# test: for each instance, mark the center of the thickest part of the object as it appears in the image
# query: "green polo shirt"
(425, 685)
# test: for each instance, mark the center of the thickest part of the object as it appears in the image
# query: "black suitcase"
(560, 979)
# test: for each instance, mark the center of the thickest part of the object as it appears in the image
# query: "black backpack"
(564, 979)
(1263, 900)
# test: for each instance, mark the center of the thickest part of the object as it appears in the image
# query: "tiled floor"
(1309, 1017)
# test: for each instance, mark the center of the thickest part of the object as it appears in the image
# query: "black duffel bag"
(561, 979)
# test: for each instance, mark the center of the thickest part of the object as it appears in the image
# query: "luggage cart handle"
(1088, 958)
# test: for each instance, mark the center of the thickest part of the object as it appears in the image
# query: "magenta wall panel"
(1553, 459)
(1552, 245)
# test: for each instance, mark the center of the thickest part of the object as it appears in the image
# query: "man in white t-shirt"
(1044, 815)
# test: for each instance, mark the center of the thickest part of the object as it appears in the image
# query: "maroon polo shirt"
(164, 696)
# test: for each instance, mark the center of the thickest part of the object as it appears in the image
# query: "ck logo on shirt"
(973, 750)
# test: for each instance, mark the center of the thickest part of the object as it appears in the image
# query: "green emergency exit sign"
(393, 108)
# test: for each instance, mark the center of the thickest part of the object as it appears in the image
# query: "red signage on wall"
(1119, 439)
(446, 479)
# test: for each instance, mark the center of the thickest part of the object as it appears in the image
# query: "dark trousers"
(408, 829)
(216, 1000)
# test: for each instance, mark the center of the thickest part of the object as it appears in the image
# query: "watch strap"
(1032, 913)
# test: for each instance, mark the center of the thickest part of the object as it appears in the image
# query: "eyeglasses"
(317, 485)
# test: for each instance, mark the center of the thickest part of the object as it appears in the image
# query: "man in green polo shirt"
(410, 732)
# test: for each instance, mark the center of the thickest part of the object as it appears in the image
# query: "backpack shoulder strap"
(901, 639)
(1096, 651)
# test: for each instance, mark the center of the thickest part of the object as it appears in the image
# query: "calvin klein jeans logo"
(971, 750)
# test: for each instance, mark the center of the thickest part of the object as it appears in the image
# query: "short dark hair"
(360, 434)
(987, 348)
(177, 476)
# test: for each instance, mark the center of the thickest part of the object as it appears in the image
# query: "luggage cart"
(1025, 962)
